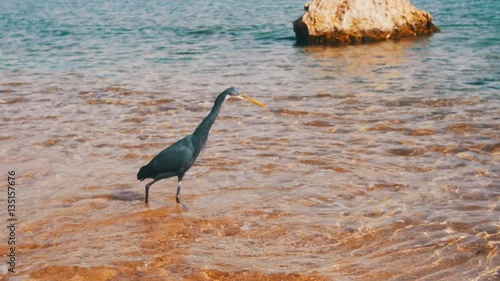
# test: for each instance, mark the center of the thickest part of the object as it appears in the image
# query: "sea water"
(371, 162)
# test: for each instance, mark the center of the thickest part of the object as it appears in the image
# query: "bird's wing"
(175, 158)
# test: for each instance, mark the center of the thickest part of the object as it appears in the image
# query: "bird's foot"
(184, 207)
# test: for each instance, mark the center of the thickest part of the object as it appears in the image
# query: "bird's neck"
(204, 128)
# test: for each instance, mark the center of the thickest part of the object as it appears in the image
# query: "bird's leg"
(177, 196)
(147, 190)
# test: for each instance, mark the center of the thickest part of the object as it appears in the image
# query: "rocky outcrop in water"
(360, 21)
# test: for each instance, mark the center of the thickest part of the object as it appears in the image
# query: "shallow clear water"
(373, 162)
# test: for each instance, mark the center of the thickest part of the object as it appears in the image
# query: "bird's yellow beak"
(243, 96)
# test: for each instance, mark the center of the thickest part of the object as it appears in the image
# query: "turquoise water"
(371, 162)
(126, 35)
(126, 39)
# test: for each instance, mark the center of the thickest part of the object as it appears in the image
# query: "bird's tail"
(143, 173)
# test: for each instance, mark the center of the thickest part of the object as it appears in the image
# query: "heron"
(178, 158)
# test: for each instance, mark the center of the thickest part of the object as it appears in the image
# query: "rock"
(360, 21)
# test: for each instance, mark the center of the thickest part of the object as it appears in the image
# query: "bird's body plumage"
(178, 158)
(172, 161)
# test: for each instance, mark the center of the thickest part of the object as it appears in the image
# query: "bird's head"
(234, 93)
